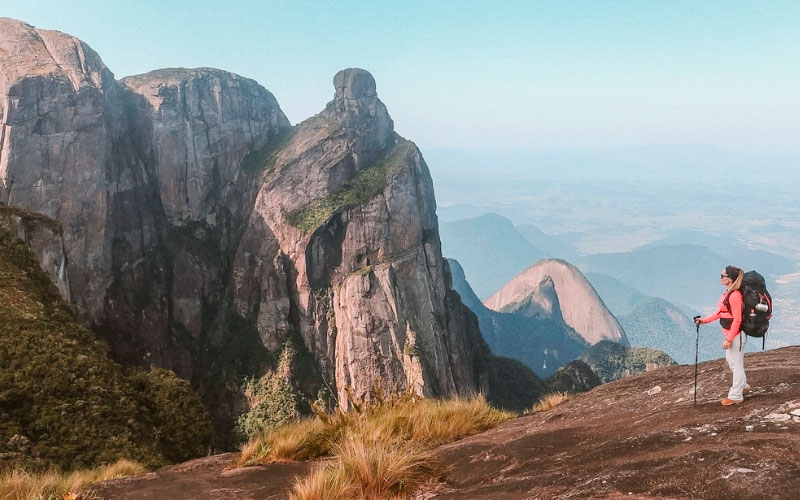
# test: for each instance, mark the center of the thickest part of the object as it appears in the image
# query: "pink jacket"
(735, 314)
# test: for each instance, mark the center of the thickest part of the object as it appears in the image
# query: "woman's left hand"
(726, 344)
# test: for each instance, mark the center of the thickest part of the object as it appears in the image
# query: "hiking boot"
(746, 389)
(729, 402)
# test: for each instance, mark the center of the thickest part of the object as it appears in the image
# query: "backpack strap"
(727, 301)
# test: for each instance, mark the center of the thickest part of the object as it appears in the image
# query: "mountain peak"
(354, 83)
(580, 305)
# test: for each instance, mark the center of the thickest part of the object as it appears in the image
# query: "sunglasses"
(724, 276)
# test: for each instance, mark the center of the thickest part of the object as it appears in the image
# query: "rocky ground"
(639, 437)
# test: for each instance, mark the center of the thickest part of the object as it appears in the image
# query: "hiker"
(729, 314)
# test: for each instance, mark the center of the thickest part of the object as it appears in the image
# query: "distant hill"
(489, 248)
(555, 247)
(661, 325)
(577, 302)
(686, 275)
(576, 376)
(611, 361)
(617, 296)
(542, 343)
(737, 253)
(63, 401)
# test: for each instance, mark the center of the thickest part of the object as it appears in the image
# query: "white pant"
(735, 358)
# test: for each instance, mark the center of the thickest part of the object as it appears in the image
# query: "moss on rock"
(366, 185)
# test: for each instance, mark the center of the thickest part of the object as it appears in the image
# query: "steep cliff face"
(580, 305)
(346, 220)
(203, 233)
(60, 116)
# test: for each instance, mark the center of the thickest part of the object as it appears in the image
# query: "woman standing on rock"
(729, 314)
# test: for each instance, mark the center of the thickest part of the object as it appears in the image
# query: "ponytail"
(737, 283)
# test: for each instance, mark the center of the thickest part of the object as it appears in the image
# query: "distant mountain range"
(686, 275)
(493, 250)
(652, 290)
(766, 263)
(490, 249)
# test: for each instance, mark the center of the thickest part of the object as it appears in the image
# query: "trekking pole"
(696, 349)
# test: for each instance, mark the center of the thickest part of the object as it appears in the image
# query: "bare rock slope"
(616, 441)
(531, 293)
(619, 441)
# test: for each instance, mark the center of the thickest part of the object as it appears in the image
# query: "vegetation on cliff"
(610, 360)
(366, 185)
(63, 402)
(272, 399)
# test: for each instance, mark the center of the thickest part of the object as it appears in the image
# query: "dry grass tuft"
(427, 422)
(21, 485)
(370, 470)
(379, 449)
(550, 401)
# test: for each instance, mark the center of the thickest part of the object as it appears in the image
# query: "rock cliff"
(531, 293)
(203, 233)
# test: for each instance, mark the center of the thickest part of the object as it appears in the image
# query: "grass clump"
(18, 484)
(379, 448)
(369, 469)
(366, 185)
(550, 401)
(406, 416)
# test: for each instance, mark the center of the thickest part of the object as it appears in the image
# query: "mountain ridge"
(206, 235)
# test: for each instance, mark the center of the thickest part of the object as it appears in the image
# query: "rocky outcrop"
(61, 116)
(625, 440)
(580, 306)
(204, 234)
(534, 332)
(576, 376)
(198, 125)
(43, 237)
(611, 360)
(346, 217)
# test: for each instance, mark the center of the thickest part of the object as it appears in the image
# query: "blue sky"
(486, 75)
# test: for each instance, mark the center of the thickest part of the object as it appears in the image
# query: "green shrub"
(273, 401)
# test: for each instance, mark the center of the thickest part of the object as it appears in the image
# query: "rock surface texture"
(616, 441)
(530, 293)
(204, 234)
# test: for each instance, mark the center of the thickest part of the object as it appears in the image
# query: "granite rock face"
(60, 115)
(531, 330)
(348, 214)
(201, 124)
(203, 232)
(582, 309)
